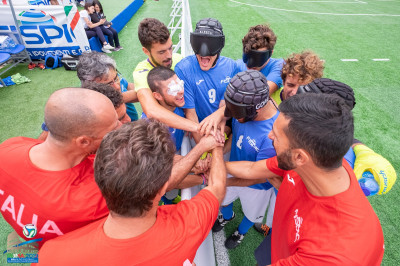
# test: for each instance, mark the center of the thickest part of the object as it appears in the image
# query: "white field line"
(221, 252)
(381, 59)
(335, 2)
(315, 13)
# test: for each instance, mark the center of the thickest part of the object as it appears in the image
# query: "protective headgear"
(256, 58)
(208, 39)
(330, 86)
(247, 92)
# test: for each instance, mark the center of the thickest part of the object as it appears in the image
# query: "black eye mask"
(256, 58)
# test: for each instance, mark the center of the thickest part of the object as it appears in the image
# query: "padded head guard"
(330, 86)
(208, 39)
(247, 92)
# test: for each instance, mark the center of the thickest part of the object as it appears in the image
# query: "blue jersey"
(272, 71)
(350, 157)
(250, 142)
(205, 89)
(130, 107)
(177, 134)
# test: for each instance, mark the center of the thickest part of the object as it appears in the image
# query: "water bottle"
(368, 184)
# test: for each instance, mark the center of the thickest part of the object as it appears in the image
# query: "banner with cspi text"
(54, 29)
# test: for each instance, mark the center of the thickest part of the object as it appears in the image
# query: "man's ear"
(147, 52)
(300, 157)
(158, 96)
(83, 142)
(163, 189)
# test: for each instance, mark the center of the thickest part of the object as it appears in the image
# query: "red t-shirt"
(56, 201)
(337, 230)
(174, 238)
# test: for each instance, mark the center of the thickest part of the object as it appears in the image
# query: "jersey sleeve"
(275, 73)
(266, 151)
(189, 94)
(140, 79)
(233, 73)
(276, 96)
(123, 84)
(240, 66)
(350, 157)
(272, 165)
(199, 214)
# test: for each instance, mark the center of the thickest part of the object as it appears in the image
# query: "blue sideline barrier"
(118, 22)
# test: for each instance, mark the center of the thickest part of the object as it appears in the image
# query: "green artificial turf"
(333, 37)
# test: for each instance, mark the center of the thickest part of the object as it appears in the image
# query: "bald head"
(73, 112)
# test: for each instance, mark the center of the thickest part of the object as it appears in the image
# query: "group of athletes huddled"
(93, 187)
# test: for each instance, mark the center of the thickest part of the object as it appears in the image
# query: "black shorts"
(263, 252)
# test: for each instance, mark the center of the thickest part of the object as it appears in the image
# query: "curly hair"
(107, 90)
(132, 164)
(260, 36)
(306, 64)
(151, 31)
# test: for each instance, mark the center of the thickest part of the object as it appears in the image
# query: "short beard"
(158, 64)
(285, 160)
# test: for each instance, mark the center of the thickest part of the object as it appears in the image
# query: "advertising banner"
(35, 2)
(46, 29)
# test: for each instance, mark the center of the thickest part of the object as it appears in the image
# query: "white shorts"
(254, 201)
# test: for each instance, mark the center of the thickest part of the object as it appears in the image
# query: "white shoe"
(106, 51)
(108, 47)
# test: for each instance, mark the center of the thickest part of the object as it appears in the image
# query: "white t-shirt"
(84, 14)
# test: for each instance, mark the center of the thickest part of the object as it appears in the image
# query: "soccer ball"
(29, 230)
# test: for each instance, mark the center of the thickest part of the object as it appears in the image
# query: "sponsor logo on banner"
(37, 17)
(49, 29)
(39, 2)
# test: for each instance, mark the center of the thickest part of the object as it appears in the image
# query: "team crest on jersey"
(290, 179)
(199, 82)
(239, 142)
(226, 80)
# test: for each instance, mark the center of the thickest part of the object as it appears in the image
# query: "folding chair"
(18, 53)
(4, 57)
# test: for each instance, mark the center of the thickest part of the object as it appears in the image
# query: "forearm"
(130, 96)
(153, 109)
(217, 177)
(93, 25)
(228, 145)
(239, 182)
(253, 170)
(183, 166)
(272, 87)
(192, 116)
(241, 169)
(190, 181)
